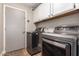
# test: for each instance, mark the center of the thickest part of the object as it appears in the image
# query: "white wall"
(30, 25)
(67, 20)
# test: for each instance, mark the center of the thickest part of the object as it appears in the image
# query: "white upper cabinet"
(77, 5)
(41, 12)
(46, 10)
(62, 7)
(35, 15)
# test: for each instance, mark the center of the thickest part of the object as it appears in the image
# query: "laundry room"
(39, 29)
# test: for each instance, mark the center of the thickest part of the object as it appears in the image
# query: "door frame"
(4, 28)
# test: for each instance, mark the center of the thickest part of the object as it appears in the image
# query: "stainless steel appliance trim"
(59, 35)
(61, 45)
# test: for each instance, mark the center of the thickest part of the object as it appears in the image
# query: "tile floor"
(21, 52)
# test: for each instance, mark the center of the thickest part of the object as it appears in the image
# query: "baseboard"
(4, 52)
(1, 54)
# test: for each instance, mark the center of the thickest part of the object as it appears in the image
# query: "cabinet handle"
(74, 5)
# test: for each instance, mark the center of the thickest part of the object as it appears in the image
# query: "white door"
(14, 29)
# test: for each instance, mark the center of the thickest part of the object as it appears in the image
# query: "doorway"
(14, 29)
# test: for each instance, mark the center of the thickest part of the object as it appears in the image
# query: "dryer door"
(54, 48)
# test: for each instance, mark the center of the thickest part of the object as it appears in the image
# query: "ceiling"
(32, 5)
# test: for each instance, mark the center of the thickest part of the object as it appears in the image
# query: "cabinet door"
(35, 15)
(77, 5)
(62, 7)
(44, 11)
(41, 12)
